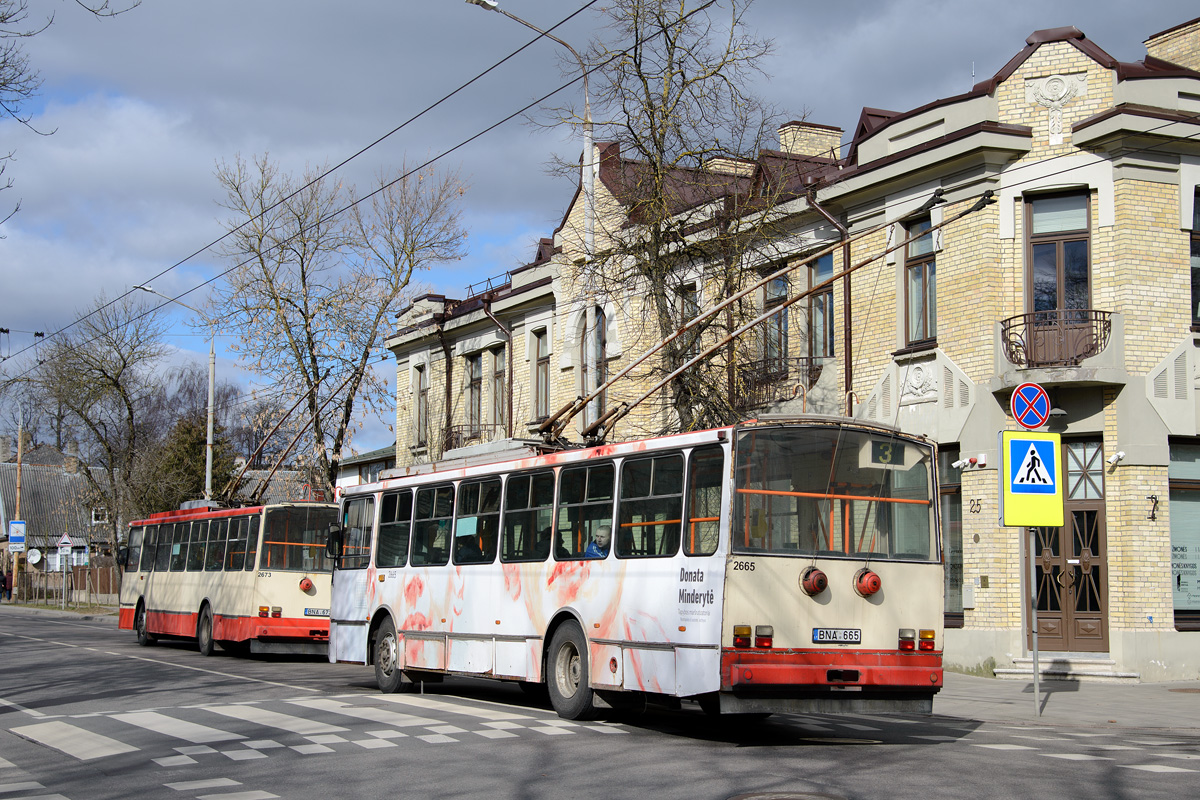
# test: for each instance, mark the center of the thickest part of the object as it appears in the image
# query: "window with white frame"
(421, 417)
(820, 309)
(499, 387)
(541, 374)
(474, 379)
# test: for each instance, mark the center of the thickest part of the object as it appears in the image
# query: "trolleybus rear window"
(833, 492)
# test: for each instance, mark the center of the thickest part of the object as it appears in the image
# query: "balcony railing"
(773, 379)
(1061, 338)
(463, 435)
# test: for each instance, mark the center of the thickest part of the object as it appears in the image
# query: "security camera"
(1115, 457)
(962, 462)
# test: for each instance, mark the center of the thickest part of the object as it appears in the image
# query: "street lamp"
(589, 197)
(212, 384)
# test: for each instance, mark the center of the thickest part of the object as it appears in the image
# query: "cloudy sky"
(143, 106)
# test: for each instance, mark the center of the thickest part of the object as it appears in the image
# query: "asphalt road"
(86, 714)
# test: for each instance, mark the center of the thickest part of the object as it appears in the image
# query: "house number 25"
(976, 505)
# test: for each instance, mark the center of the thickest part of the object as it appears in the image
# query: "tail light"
(763, 635)
(264, 611)
(926, 642)
(867, 583)
(276, 612)
(813, 581)
(908, 639)
(741, 635)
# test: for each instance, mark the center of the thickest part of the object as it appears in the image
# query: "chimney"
(6, 449)
(71, 457)
(1179, 45)
(729, 166)
(810, 139)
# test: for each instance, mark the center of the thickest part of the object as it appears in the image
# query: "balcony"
(463, 435)
(771, 380)
(1062, 338)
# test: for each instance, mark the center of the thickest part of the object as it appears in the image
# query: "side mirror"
(333, 544)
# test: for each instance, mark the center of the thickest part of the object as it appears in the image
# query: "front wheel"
(144, 637)
(388, 675)
(204, 632)
(568, 680)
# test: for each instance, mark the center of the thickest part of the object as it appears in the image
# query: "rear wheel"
(204, 632)
(144, 638)
(388, 674)
(568, 679)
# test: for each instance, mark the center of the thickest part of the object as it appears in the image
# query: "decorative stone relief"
(920, 383)
(1053, 92)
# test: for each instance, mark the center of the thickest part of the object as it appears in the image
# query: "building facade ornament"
(1053, 92)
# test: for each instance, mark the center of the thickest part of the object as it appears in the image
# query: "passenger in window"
(598, 547)
(541, 547)
(468, 550)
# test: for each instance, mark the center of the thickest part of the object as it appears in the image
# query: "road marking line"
(456, 708)
(178, 728)
(254, 795)
(273, 719)
(18, 707)
(380, 715)
(211, 783)
(1154, 768)
(1076, 757)
(73, 741)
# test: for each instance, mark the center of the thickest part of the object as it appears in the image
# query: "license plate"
(324, 612)
(837, 636)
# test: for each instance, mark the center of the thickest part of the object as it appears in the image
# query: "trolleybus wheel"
(568, 679)
(204, 637)
(388, 674)
(144, 638)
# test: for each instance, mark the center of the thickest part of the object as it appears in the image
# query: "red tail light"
(908, 639)
(264, 611)
(927, 642)
(741, 635)
(763, 635)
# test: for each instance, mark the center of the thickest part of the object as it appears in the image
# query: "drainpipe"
(847, 342)
(487, 309)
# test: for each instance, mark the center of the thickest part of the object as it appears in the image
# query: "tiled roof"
(53, 502)
(285, 486)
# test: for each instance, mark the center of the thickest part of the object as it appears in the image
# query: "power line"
(338, 166)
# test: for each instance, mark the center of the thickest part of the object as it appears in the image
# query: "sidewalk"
(1173, 706)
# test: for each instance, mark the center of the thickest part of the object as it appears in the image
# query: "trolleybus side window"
(431, 530)
(162, 559)
(218, 534)
(197, 545)
(252, 524)
(235, 552)
(528, 517)
(651, 506)
(706, 477)
(179, 546)
(477, 524)
(358, 518)
(395, 524)
(148, 541)
(133, 557)
(585, 496)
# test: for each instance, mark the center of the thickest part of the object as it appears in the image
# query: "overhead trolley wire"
(338, 166)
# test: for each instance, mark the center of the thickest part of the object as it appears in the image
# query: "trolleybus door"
(348, 618)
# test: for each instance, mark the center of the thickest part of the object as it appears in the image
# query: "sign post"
(1031, 489)
(64, 557)
(16, 536)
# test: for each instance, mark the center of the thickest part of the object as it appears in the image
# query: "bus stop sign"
(1030, 406)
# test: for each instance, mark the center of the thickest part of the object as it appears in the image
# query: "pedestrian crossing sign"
(1031, 491)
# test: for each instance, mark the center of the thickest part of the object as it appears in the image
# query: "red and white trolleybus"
(252, 578)
(776, 565)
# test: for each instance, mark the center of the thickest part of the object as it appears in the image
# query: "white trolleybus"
(253, 578)
(776, 565)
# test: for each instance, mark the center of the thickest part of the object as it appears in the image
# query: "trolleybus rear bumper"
(854, 681)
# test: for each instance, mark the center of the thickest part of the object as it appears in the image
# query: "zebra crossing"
(243, 731)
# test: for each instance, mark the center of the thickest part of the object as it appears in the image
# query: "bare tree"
(104, 373)
(314, 287)
(682, 135)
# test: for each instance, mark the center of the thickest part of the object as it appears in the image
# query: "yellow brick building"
(1083, 276)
